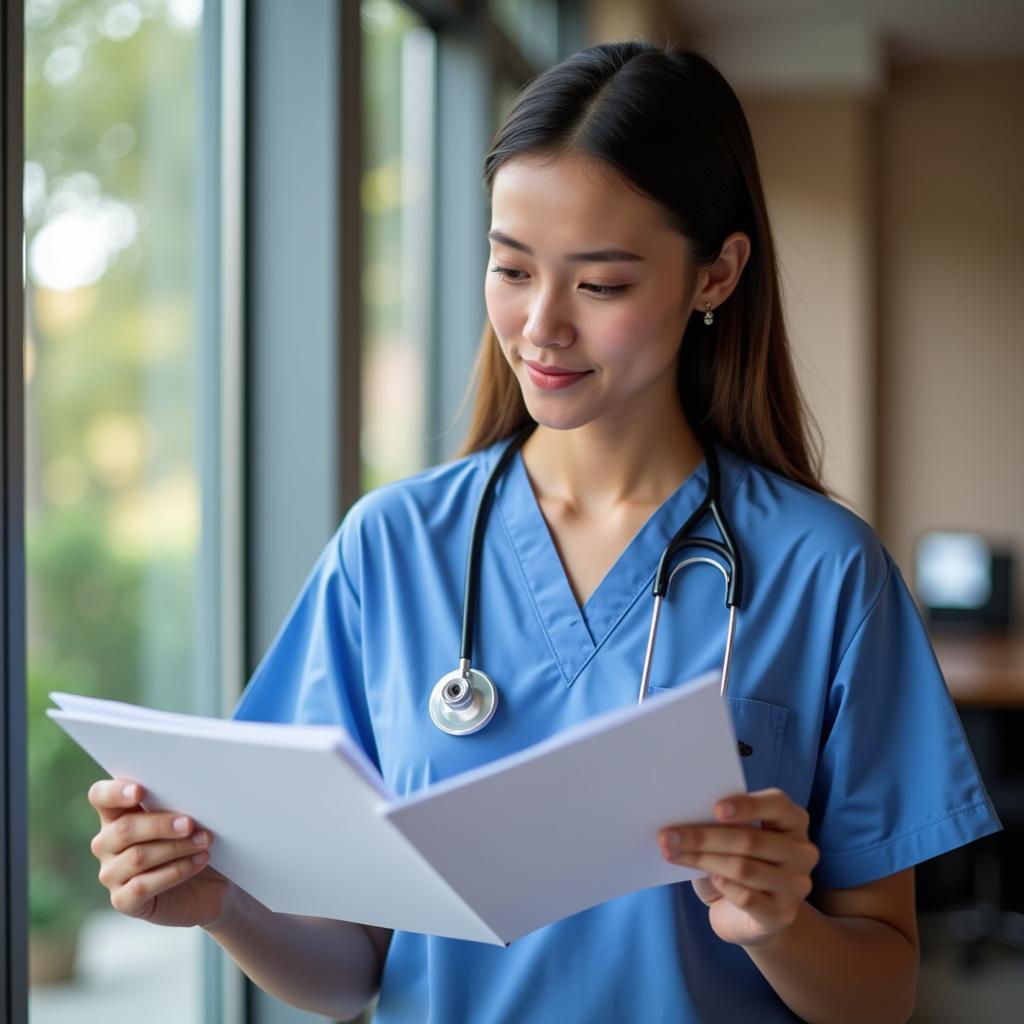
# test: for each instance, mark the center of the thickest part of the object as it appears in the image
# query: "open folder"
(302, 820)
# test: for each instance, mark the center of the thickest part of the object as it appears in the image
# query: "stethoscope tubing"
(656, 614)
(483, 510)
(465, 700)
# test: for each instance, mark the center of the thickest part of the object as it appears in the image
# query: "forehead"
(561, 202)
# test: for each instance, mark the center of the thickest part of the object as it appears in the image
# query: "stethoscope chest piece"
(463, 702)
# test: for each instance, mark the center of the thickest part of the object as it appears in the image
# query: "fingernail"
(198, 858)
(199, 838)
(181, 824)
(128, 792)
(672, 841)
(727, 809)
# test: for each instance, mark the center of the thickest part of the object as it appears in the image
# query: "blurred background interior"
(255, 241)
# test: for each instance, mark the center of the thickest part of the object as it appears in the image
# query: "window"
(112, 484)
(397, 201)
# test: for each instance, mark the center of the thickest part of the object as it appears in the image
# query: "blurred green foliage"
(111, 118)
(62, 884)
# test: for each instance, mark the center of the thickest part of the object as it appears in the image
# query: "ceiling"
(906, 30)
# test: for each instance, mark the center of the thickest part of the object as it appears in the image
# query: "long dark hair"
(671, 125)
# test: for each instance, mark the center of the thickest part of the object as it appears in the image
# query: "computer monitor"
(960, 578)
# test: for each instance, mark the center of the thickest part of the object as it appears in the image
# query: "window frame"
(13, 754)
(220, 363)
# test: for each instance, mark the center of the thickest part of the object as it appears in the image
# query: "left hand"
(758, 876)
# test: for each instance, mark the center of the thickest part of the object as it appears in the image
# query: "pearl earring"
(709, 317)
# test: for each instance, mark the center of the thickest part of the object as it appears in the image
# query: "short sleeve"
(895, 783)
(312, 671)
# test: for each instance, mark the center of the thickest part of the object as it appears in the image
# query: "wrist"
(230, 911)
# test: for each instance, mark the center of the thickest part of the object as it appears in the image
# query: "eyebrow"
(611, 255)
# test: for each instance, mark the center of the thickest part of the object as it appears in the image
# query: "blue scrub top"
(834, 684)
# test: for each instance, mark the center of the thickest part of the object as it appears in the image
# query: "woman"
(634, 318)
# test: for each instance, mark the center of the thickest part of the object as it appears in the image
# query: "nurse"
(633, 316)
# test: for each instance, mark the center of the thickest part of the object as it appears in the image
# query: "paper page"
(573, 821)
(272, 732)
(294, 823)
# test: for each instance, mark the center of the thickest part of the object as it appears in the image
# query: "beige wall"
(951, 367)
(816, 158)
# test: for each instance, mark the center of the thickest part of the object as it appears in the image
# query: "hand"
(154, 862)
(758, 876)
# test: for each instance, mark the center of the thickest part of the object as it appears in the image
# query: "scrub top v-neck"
(834, 686)
(576, 634)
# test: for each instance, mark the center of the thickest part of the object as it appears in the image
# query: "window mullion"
(13, 770)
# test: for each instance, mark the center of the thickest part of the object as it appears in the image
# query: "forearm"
(834, 970)
(325, 966)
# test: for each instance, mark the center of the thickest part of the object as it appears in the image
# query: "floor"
(129, 971)
(994, 994)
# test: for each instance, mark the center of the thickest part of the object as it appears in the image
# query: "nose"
(545, 323)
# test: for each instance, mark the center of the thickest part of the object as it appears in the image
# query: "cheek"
(501, 308)
(628, 332)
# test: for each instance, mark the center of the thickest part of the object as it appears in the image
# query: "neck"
(609, 463)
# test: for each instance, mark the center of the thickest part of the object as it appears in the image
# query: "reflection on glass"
(112, 503)
(396, 202)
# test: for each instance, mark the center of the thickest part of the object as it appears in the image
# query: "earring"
(709, 317)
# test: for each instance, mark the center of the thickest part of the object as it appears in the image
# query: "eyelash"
(606, 289)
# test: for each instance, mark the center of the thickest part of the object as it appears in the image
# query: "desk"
(985, 675)
(983, 670)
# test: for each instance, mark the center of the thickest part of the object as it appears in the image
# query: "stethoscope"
(464, 701)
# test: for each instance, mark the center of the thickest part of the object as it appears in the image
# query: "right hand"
(147, 864)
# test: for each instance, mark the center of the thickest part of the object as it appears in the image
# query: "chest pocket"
(759, 729)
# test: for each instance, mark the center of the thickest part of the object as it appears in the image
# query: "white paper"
(293, 823)
(303, 822)
(572, 822)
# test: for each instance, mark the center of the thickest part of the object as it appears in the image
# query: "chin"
(555, 419)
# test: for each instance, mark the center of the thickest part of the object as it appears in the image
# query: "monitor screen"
(954, 570)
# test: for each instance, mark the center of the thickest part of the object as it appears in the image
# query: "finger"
(745, 840)
(757, 874)
(143, 827)
(112, 797)
(762, 906)
(773, 807)
(132, 897)
(142, 857)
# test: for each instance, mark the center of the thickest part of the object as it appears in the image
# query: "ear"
(716, 283)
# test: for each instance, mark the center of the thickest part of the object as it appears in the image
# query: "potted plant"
(63, 887)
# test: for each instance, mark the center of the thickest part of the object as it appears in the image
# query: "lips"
(554, 371)
(554, 378)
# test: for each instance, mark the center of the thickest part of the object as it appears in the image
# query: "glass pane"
(398, 83)
(532, 25)
(112, 502)
(505, 92)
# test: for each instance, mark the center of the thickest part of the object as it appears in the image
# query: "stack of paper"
(302, 820)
